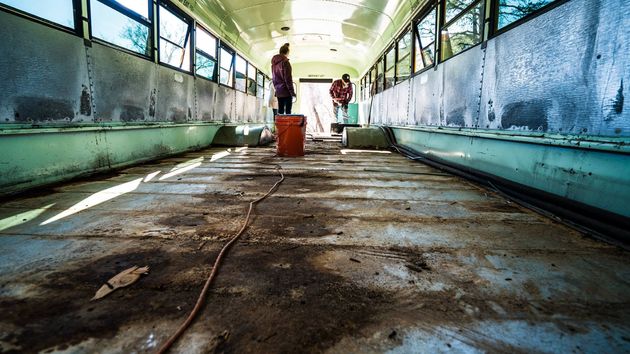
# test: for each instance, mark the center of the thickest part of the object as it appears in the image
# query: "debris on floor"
(121, 280)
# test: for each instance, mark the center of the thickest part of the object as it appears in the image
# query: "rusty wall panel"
(205, 98)
(224, 109)
(562, 76)
(425, 105)
(250, 108)
(461, 89)
(125, 87)
(175, 96)
(43, 76)
(240, 102)
(401, 114)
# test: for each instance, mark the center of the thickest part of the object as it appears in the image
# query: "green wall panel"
(594, 177)
(35, 157)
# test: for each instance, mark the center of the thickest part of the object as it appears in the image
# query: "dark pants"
(284, 105)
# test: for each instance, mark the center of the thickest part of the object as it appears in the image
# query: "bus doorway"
(316, 104)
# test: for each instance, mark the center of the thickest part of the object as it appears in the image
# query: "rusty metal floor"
(356, 252)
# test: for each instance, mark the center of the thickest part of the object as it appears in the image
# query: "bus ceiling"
(352, 33)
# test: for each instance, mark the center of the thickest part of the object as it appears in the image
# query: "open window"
(57, 12)
(403, 65)
(463, 25)
(240, 73)
(125, 24)
(226, 66)
(175, 41)
(425, 41)
(390, 68)
(251, 79)
(205, 54)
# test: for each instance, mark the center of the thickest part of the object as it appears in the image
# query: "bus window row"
(128, 25)
(460, 24)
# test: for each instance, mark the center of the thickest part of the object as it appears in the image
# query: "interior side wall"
(69, 108)
(541, 104)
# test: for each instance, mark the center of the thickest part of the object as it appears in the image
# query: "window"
(251, 79)
(363, 88)
(260, 83)
(403, 65)
(390, 68)
(60, 12)
(240, 80)
(206, 54)
(115, 24)
(380, 76)
(464, 29)
(226, 61)
(268, 91)
(511, 11)
(174, 39)
(425, 41)
(373, 81)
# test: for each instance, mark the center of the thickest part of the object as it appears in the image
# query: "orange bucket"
(291, 132)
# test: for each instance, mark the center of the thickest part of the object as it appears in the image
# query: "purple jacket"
(282, 79)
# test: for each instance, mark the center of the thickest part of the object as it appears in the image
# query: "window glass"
(463, 33)
(226, 60)
(260, 83)
(513, 10)
(390, 71)
(240, 67)
(373, 84)
(251, 79)
(206, 42)
(425, 41)
(141, 7)
(57, 11)
(403, 67)
(174, 40)
(119, 29)
(380, 75)
(206, 67)
(454, 7)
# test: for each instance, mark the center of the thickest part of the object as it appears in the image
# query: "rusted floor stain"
(339, 260)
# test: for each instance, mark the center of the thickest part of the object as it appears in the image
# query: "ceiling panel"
(357, 29)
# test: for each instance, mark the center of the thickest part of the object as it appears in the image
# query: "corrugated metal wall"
(55, 79)
(565, 71)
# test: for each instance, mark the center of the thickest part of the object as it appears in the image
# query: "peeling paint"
(618, 101)
(152, 104)
(86, 102)
(38, 109)
(526, 114)
(131, 113)
(456, 117)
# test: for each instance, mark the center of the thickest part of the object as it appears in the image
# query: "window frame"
(237, 55)
(254, 80)
(408, 31)
(462, 13)
(391, 48)
(436, 39)
(191, 27)
(134, 16)
(260, 89)
(215, 74)
(494, 17)
(232, 72)
(77, 9)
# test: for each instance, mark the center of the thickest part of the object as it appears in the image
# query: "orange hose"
(202, 296)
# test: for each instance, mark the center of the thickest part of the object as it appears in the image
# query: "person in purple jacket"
(283, 80)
